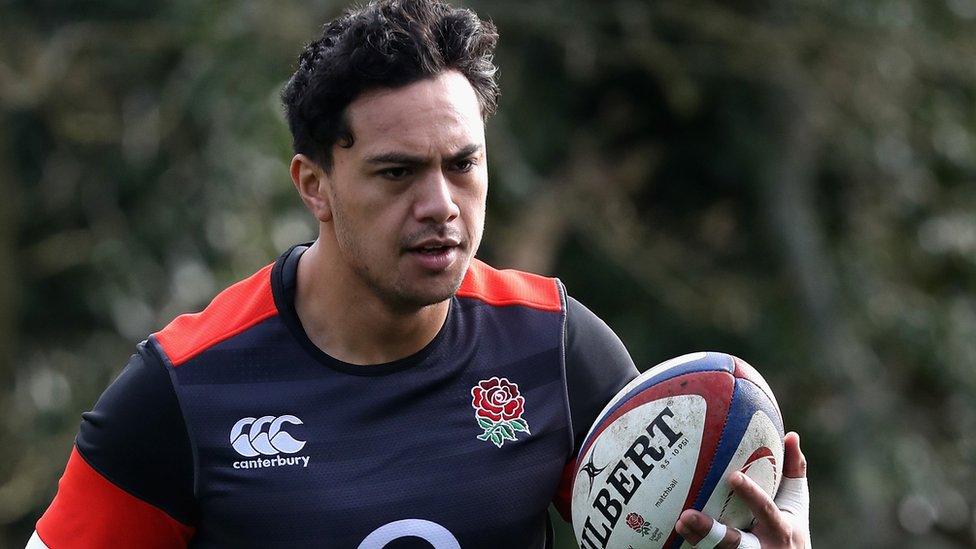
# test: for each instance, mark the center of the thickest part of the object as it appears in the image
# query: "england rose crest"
(498, 407)
(637, 523)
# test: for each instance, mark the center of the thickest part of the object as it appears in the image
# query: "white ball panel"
(664, 489)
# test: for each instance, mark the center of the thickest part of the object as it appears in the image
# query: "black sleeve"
(136, 437)
(597, 367)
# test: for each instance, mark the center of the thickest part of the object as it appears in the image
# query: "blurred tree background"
(789, 181)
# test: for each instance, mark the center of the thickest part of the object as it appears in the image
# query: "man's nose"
(435, 199)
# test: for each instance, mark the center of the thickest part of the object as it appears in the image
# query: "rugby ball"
(667, 442)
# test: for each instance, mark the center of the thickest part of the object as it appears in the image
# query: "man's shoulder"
(506, 287)
(232, 311)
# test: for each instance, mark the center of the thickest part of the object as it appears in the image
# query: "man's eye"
(396, 173)
(464, 165)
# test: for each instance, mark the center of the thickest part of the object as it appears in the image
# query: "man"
(379, 385)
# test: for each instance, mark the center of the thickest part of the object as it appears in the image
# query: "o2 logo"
(431, 532)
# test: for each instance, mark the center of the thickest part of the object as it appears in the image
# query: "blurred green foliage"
(788, 181)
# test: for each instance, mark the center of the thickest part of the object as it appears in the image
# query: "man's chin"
(425, 294)
(429, 297)
(425, 288)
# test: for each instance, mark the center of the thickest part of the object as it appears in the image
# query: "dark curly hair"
(384, 44)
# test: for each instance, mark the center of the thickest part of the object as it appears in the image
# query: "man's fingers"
(695, 526)
(758, 501)
(794, 464)
(794, 497)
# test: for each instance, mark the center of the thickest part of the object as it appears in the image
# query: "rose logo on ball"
(498, 407)
(637, 524)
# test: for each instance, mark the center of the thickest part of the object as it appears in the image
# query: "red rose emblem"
(497, 400)
(635, 521)
(498, 408)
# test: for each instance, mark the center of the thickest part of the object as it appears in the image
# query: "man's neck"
(349, 322)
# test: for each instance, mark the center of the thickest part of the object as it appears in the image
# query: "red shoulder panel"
(234, 310)
(90, 511)
(510, 287)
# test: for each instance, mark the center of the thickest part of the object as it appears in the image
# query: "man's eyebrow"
(404, 158)
(395, 158)
(466, 151)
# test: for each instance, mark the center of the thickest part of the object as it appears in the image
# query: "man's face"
(408, 198)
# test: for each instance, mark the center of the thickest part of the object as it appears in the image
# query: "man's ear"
(311, 182)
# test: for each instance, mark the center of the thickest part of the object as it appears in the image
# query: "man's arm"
(597, 367)
(129, 479)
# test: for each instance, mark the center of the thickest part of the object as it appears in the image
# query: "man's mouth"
(435, 246)
(436, 254)
(432, 250)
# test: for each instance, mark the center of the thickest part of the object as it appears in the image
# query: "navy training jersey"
(230, 428)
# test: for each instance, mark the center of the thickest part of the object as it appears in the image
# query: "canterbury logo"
(250, 438)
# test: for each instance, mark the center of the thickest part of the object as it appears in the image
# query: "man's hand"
(783, 523)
